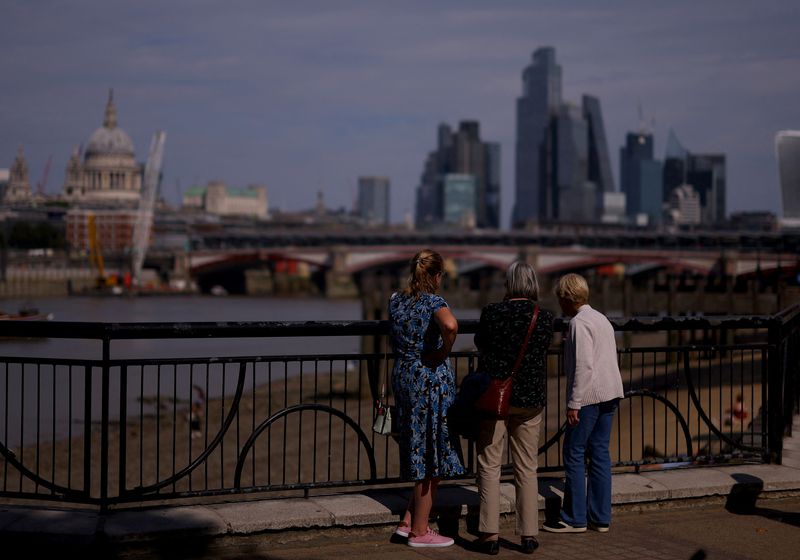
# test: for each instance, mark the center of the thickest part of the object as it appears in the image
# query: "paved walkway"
(731, 512)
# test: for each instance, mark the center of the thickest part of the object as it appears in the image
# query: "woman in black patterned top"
(500, 335)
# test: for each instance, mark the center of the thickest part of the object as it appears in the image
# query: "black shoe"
(486, 547)
(529, 545)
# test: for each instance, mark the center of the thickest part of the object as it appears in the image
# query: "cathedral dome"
(109, 139)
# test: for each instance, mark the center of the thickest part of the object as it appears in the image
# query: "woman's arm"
(448, 327)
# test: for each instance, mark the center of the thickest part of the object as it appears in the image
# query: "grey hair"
(521, 281)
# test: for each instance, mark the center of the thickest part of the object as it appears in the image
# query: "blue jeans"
(589, 439)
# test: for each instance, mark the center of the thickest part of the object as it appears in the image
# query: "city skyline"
(309, 98)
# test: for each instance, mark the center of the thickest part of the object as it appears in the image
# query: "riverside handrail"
(134, 444)
(266, 329)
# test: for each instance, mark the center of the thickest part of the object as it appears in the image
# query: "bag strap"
(534, 316)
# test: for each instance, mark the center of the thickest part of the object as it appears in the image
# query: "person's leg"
(490, 450)
(423, 502)
(523, 432)
(405, 522)
(599, 485)
(573, 509)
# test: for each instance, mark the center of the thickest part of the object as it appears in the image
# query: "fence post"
(775, 382)
(104, 426)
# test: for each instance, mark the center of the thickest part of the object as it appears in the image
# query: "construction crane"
(95, 254)
(144, 219)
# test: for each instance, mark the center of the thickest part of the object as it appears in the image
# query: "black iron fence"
(111, 431)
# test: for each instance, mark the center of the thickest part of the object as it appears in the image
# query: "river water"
(26, 391)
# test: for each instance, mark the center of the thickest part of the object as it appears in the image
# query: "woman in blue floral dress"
(423, 330)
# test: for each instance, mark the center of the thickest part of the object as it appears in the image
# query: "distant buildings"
(373, 200)
(641, 179)
(706, 173)
(563, 171)
(460, 153)
(19, 187)
(787, 145)
(221, 200)
(108, 173)
(4, 176)
(683, 206)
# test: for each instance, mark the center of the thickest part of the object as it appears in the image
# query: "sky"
(307, 96)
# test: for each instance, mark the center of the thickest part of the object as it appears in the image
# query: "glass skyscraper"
(641, 177)
(540, 101)
(562, 166)
(460, 152)
(787, 145)
(373, 200)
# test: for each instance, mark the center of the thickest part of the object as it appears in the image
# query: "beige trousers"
(522, 426)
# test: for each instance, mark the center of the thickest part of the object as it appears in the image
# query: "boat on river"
(26, 314)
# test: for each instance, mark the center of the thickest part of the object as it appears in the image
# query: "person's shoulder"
(436, 300)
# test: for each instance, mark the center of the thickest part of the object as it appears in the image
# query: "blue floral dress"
(422, 395)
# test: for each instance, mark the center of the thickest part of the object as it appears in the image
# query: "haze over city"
(308, 98)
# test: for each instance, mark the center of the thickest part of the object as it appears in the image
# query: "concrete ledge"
(355, 509)
(272, 515)
(58, 524)
(179, 521)
(633, 488)
(693, 483)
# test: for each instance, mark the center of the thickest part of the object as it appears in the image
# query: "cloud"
(308, 97)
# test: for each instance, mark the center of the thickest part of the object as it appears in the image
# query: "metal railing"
(109, 431)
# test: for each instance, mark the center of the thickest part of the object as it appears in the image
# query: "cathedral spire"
(110, 120)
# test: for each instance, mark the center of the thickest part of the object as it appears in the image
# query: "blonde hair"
(424, 267)
(572, 287)
(521, 281)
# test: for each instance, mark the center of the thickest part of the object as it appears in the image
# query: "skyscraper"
(641, 177)
(463, 153)
(787, 145)
(373, 200)
(539, 103)
(563, 168)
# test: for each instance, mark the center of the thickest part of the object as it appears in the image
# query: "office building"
(787, 145)
(219, 199)
(706, 173)
(641, 179)
(458, 199)
(562, 164)
(539, 104)
(683, 206)
(460, 152)
(373, 200)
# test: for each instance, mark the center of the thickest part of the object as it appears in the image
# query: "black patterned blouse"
(501, 331)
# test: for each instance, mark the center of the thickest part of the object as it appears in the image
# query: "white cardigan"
(590, 360)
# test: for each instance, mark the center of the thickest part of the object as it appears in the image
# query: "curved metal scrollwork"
(717, 432)
(681, 420)
(237, 481)
(232, 412)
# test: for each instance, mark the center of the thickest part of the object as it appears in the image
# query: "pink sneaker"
(431, 539)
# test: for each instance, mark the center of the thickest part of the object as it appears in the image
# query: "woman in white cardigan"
(594, 387)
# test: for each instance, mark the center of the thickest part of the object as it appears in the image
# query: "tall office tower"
(539, 104)
(458, 199)
(19, 188)
(563, 168)
(787, 145)
(706, 173)
(492, 196)
(463, 153)
(571, 197)
(373, 200)
(674, 165)
(4, 176)
(641, 178)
